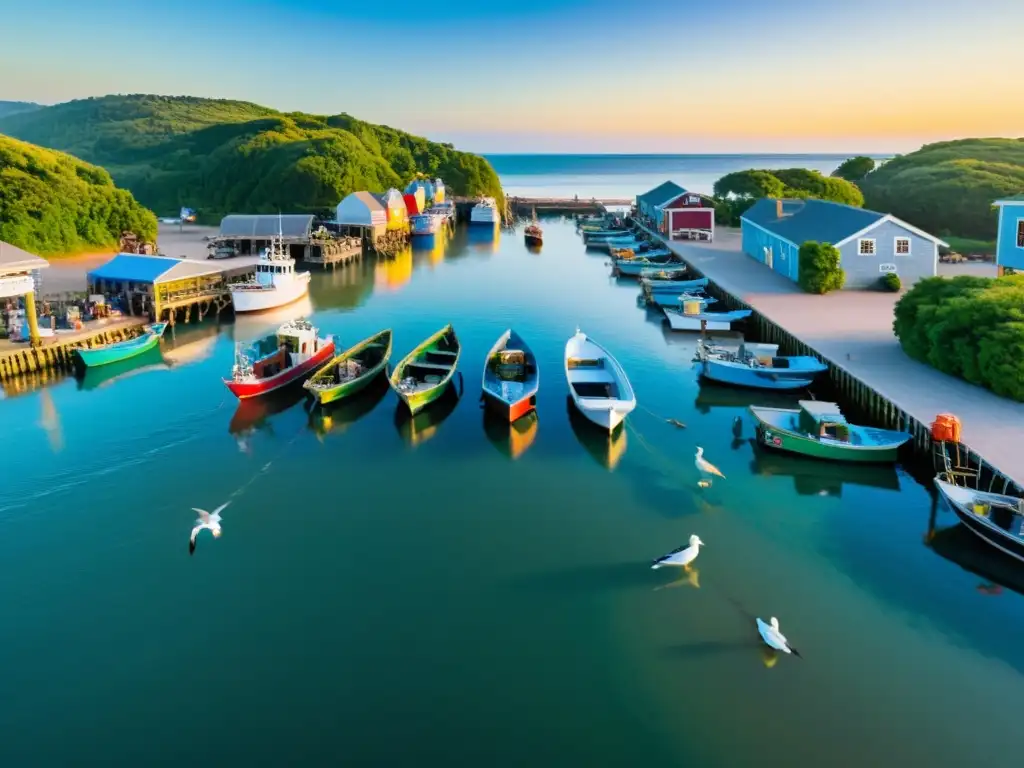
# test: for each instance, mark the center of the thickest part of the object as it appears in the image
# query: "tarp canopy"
(133, 268)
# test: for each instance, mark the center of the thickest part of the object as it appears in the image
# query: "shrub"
(969, 327)
(891, 282)
(820, 270)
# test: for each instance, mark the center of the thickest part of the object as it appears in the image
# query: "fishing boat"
(352, 370)
(624, 243)
(820, 430)
(699, 320)
(275, 282)
(996, 518)
(597, 383)
(425, 224)
(599, 235)
(688, 298)
(533, 234)
(748, 367)
(676, 287)
(279, 359)
(425, 373)
(122, 350)
(485, 212)
(637, 266)
(643, 253)
(670, 273)
(511, 377)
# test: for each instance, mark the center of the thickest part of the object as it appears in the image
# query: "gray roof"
(818, 220)
(14, 258)
(372, 201)
(292, 225)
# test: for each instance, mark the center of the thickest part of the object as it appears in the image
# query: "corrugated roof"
(12, 257)
(261, 226)
(819, 220)
(134, 268)
(1011, 199)
(661, 193)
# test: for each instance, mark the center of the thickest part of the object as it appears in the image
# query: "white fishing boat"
(485, 212)
(598, 385)
(683, 320)
(275, 284)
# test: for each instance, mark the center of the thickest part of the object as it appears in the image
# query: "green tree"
(820, 268)
(749, 184)
(855, 169)
(736, 192)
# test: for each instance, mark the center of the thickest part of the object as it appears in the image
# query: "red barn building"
(678, 213)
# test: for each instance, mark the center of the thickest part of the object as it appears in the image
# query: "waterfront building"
(362, 213)
(397, 213)
(677, 213)
(870, 244)
(249, 235)
(19, 277)
(1010, 237)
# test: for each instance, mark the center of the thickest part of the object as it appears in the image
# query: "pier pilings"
(59, 355)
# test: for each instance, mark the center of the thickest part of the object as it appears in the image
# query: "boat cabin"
(823, 419)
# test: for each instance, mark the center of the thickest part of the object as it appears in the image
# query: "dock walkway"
(853, 331)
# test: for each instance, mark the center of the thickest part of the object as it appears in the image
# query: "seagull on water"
(773, 638)
(206, 519)
(681, 556)
(706, 468)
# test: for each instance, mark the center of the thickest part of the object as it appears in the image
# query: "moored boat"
(641, 253)
(511, 377)
(287, 356)
(533, 234)
(597, 235)
(425, 224)
(636, 266)
(352, 370)
(485, 212)
(598, 385)
(690, 297)
(820, 430)
(997, 519)
(650, 287)
(424, 374)
(625, 243)
(700, 320)
(748, 367)
(274, 284)
(122, 350)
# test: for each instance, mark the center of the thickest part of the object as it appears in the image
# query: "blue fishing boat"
(638, 264)
(671, 286)
(625, 243)
(605, 234)
(122, 350)
(643, 253)
(425, 225)
(678, 300)
(743, 368)
(697, 319)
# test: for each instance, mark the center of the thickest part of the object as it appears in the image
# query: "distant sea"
(625, 176)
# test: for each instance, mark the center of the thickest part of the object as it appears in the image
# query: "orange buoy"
(946, 428)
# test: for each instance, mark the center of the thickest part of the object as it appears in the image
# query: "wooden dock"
(58, 352)
(525, 206)
(334, 251)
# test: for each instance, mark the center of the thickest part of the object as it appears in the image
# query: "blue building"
(1010, 237)
(870, 244)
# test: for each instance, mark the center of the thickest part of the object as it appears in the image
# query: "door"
(768, 258)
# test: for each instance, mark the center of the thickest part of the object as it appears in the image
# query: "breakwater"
(59, 354)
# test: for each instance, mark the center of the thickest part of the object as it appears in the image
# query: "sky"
(631, 76)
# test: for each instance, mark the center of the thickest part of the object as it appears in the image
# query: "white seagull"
(682, 556)
(706, 468)
(206, 519)
(773, 638)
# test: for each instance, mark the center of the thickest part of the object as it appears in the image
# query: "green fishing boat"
(819, 429)
(352, 370)
(425, 373)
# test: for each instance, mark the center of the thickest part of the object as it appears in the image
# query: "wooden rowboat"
(352, 370)
(511, 377)
(425, 373)
(122, 350)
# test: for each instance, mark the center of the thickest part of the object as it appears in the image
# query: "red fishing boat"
(290, 355)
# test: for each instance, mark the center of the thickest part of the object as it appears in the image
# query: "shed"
(687, 215)
(249, 234)
(1010, 234)
(647, 203)
(871, 244)
(362, 213)
(438, 191)
(412, 205)
(394, 207)
(19, 276)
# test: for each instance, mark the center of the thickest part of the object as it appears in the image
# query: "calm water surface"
(447, 592)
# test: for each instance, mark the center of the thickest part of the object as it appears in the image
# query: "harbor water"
(450, 591)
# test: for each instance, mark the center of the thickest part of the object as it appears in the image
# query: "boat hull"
(510, 411)
(278, 296)
(780, 439)
(349, 388)
(716, 321)
(417, 401)
(1009, 545)
(93, 358)
(607, 419)
(244, 390)
(753, 378)
(534, 240)
(625, 267)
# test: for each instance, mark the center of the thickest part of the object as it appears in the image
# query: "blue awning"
(133, 268)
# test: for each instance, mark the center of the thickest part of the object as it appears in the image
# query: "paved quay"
(853, 330)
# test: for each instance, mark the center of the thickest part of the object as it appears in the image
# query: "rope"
(673, 422)
(263, 470)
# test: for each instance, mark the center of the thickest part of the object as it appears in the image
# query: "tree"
(749, 184)
(736, 192)
(820, 268)
(854, 169)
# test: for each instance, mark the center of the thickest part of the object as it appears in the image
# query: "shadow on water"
(511, 439)
(335, 418)
(606, 449)
(187, 344)
(710, 395)
(821, 478)
(424, 425)
(345, 287)
(105, 375)
(254, 415)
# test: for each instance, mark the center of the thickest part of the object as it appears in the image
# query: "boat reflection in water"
(812, 477)
(50, 422)
(513, 439)
(105, 375)
(424, 425)
(711, 395)
(250, 326)
(606, 448)
(485, 239)
(335, 418)
(433, 247)
(184, 345)
(392, 272)
(253, 415)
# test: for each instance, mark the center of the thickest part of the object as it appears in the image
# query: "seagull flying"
(773, 638)
(206, 519)
(681, 556)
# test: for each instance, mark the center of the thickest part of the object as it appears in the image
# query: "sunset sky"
(556, 75)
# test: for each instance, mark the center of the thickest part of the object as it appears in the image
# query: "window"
(866, 247)
(1020, 233)
(902, 246)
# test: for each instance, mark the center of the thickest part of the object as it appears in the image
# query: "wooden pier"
(334, 251)
(525, 206)
(58, 353)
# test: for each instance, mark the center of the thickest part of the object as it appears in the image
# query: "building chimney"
(778, 208)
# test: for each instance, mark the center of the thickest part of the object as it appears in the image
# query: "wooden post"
(33, 322)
